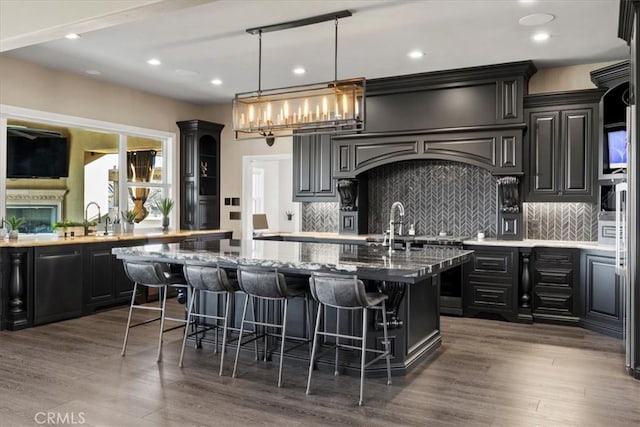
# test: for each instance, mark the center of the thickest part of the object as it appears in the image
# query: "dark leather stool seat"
(152, 275)
(347, 292)
(268, 284)
(208, 279)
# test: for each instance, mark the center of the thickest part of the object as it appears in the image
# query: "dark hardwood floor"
(486, 373)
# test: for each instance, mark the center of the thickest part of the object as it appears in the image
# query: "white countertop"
(531, 243)
(526, 243)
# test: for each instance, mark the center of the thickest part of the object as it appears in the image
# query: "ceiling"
(198, 41)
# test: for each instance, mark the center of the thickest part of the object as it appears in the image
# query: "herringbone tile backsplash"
(437, 195)
(320, 216)
(454, 197)
(561, 221)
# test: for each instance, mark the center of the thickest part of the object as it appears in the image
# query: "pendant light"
(330, 107)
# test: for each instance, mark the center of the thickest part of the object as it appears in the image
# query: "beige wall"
(232, 152)
(573, 77)
(24, 84)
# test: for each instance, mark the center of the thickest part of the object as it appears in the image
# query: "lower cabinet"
(57, 283)
(490, 282)
(602, 294)
(105, 282)
(555, 290)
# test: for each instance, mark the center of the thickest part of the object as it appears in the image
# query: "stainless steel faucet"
(400, 208)
(86, 217)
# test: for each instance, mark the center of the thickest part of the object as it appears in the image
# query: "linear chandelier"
(330, 107)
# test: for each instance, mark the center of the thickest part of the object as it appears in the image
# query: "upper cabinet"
(199, 174)
(562, 130)
(612, 132)
(312, 177)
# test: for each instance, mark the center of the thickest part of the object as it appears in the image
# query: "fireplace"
(40, 208)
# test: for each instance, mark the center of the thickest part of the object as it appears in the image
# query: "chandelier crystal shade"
(333, 107)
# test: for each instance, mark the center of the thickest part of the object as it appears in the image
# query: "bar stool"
(347, 292)
(152, 275)
(208, 279)
(268, 284)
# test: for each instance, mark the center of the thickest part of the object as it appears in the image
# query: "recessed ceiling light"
(541, 37)
(416, 54)
(72, 36)
(153, 61)
(299, 70)
(216, 82)
(93, 72)
(536, 19)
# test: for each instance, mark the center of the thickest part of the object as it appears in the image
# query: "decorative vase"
(127, 227)
(13, 235)
(165, 223)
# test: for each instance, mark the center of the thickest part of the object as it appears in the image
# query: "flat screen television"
(36, 154)
(616, 145)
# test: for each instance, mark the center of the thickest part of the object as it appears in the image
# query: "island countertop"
(368, 262)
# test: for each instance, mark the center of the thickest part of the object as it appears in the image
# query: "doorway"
(267, 188)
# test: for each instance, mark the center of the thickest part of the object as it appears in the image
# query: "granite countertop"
(51, 239)
(370, 238)
(369, 262)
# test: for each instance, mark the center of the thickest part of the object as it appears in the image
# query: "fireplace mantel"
(35, 196)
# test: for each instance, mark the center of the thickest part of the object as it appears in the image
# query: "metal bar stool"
(152, 275)
(268, 284)
(208, 279)
(347, 292)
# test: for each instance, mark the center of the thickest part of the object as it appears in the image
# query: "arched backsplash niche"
(438, 195)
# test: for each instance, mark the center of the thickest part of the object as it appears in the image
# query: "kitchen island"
(410, 278)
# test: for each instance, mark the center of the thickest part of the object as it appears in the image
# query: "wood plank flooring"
(486, 373)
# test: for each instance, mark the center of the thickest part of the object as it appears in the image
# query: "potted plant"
(128, 218)
(165, 206)
(13, 223)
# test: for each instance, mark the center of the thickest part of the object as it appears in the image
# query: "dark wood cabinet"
(105, 282)
(490, 282)
(602, 294)
(312, 174)
(57, 283)
(199, 174)
(555, 285)
(562, 140)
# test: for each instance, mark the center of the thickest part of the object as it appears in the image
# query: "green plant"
(128, 216)
(165, 206)
(14, 223)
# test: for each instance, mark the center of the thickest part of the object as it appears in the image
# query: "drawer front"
(545, 257)
(553, 300)
(484, 295)
(555, 277)
(494, 265)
